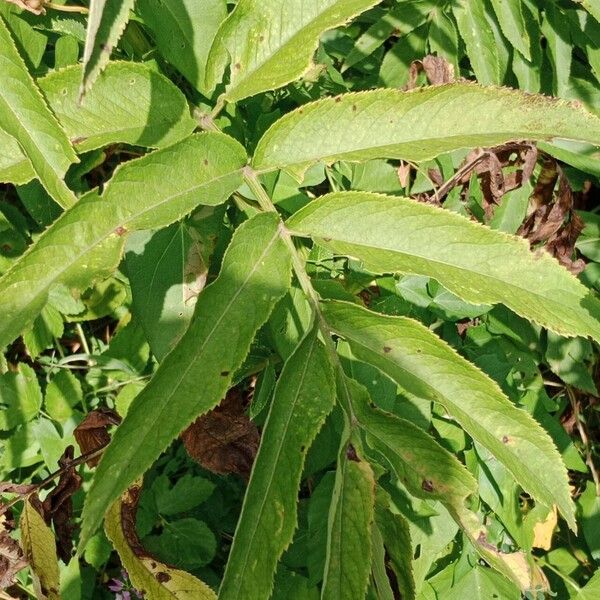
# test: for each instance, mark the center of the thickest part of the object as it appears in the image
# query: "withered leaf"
(92, 433)
(437, 69)
(33, 6)
(224, 440)
(58, 505)
(12, 559)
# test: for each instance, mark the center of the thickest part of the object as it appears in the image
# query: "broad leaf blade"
(106, 24)
(184, 31)
(482, 266)
(85, 243)
(159, 581)
(349, 531)
(417, 125)
(161, 116)
(25, 116)
(270, 43)
(427, 367)
(194, 377)
(304, 396)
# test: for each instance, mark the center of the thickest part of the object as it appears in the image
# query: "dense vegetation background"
(83, 333)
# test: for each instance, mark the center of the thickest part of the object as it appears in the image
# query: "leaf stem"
(64, 8)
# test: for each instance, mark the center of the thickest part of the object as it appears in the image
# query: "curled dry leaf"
(554, 221)
(224, 440)
(437, 69)
(12, 559)
(58, 505)
(92, 433)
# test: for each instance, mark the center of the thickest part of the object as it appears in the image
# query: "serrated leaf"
(480, 265)
(157, 580)
(270, 43)
(184, 31)
(161, 116)
(512, 22)
(351, 516)
(106, 23)
(195, 375)
(426, 367)
(396, 538)
(85, 243)
(40, 550)
(304, 396)
(478, 36)
(25, 116)
(417, 125)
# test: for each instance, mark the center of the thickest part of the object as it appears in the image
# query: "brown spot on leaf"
(120, 230)
(505, 439)
(386, 349)
(92, 433)
(12, 559)
(351, 453)
(237, 66)
(427, 485)
(225, 440)
(162, 577)
(354, 108)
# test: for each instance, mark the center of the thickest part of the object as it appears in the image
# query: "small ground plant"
(299, 299)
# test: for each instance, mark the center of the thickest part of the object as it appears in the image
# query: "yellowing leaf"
(543, 530)
(39, 547)
(158, 581)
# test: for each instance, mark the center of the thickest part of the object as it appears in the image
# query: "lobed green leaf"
(25, 117)
(480, 265)
(270, 43)
(427, 367)
(303, 398)
(417, 125)
(86, 242)
(194, 376)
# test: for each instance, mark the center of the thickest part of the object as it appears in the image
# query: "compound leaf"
(195, 375)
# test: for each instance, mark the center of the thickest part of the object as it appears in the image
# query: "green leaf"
(478, 37)
(166, 272)
(396, 538)
(39, 548)
(25, 116)
(184, 31)
(195, 375)
(417, 125)
(351, 516)
(481, 583)
(161, 116)
(426, 367)
(480, 265)
(512, 22)
(85, 244)
(555, 29)
(106, 23)
(159, 581)
(63, 393)
(304, 396)
(20, 396)
(270, 43)
(593, 7)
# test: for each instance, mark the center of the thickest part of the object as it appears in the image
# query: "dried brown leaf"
(33, 6)
(224, 440)
(58, 505)
(12, 559)
(92, 433)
